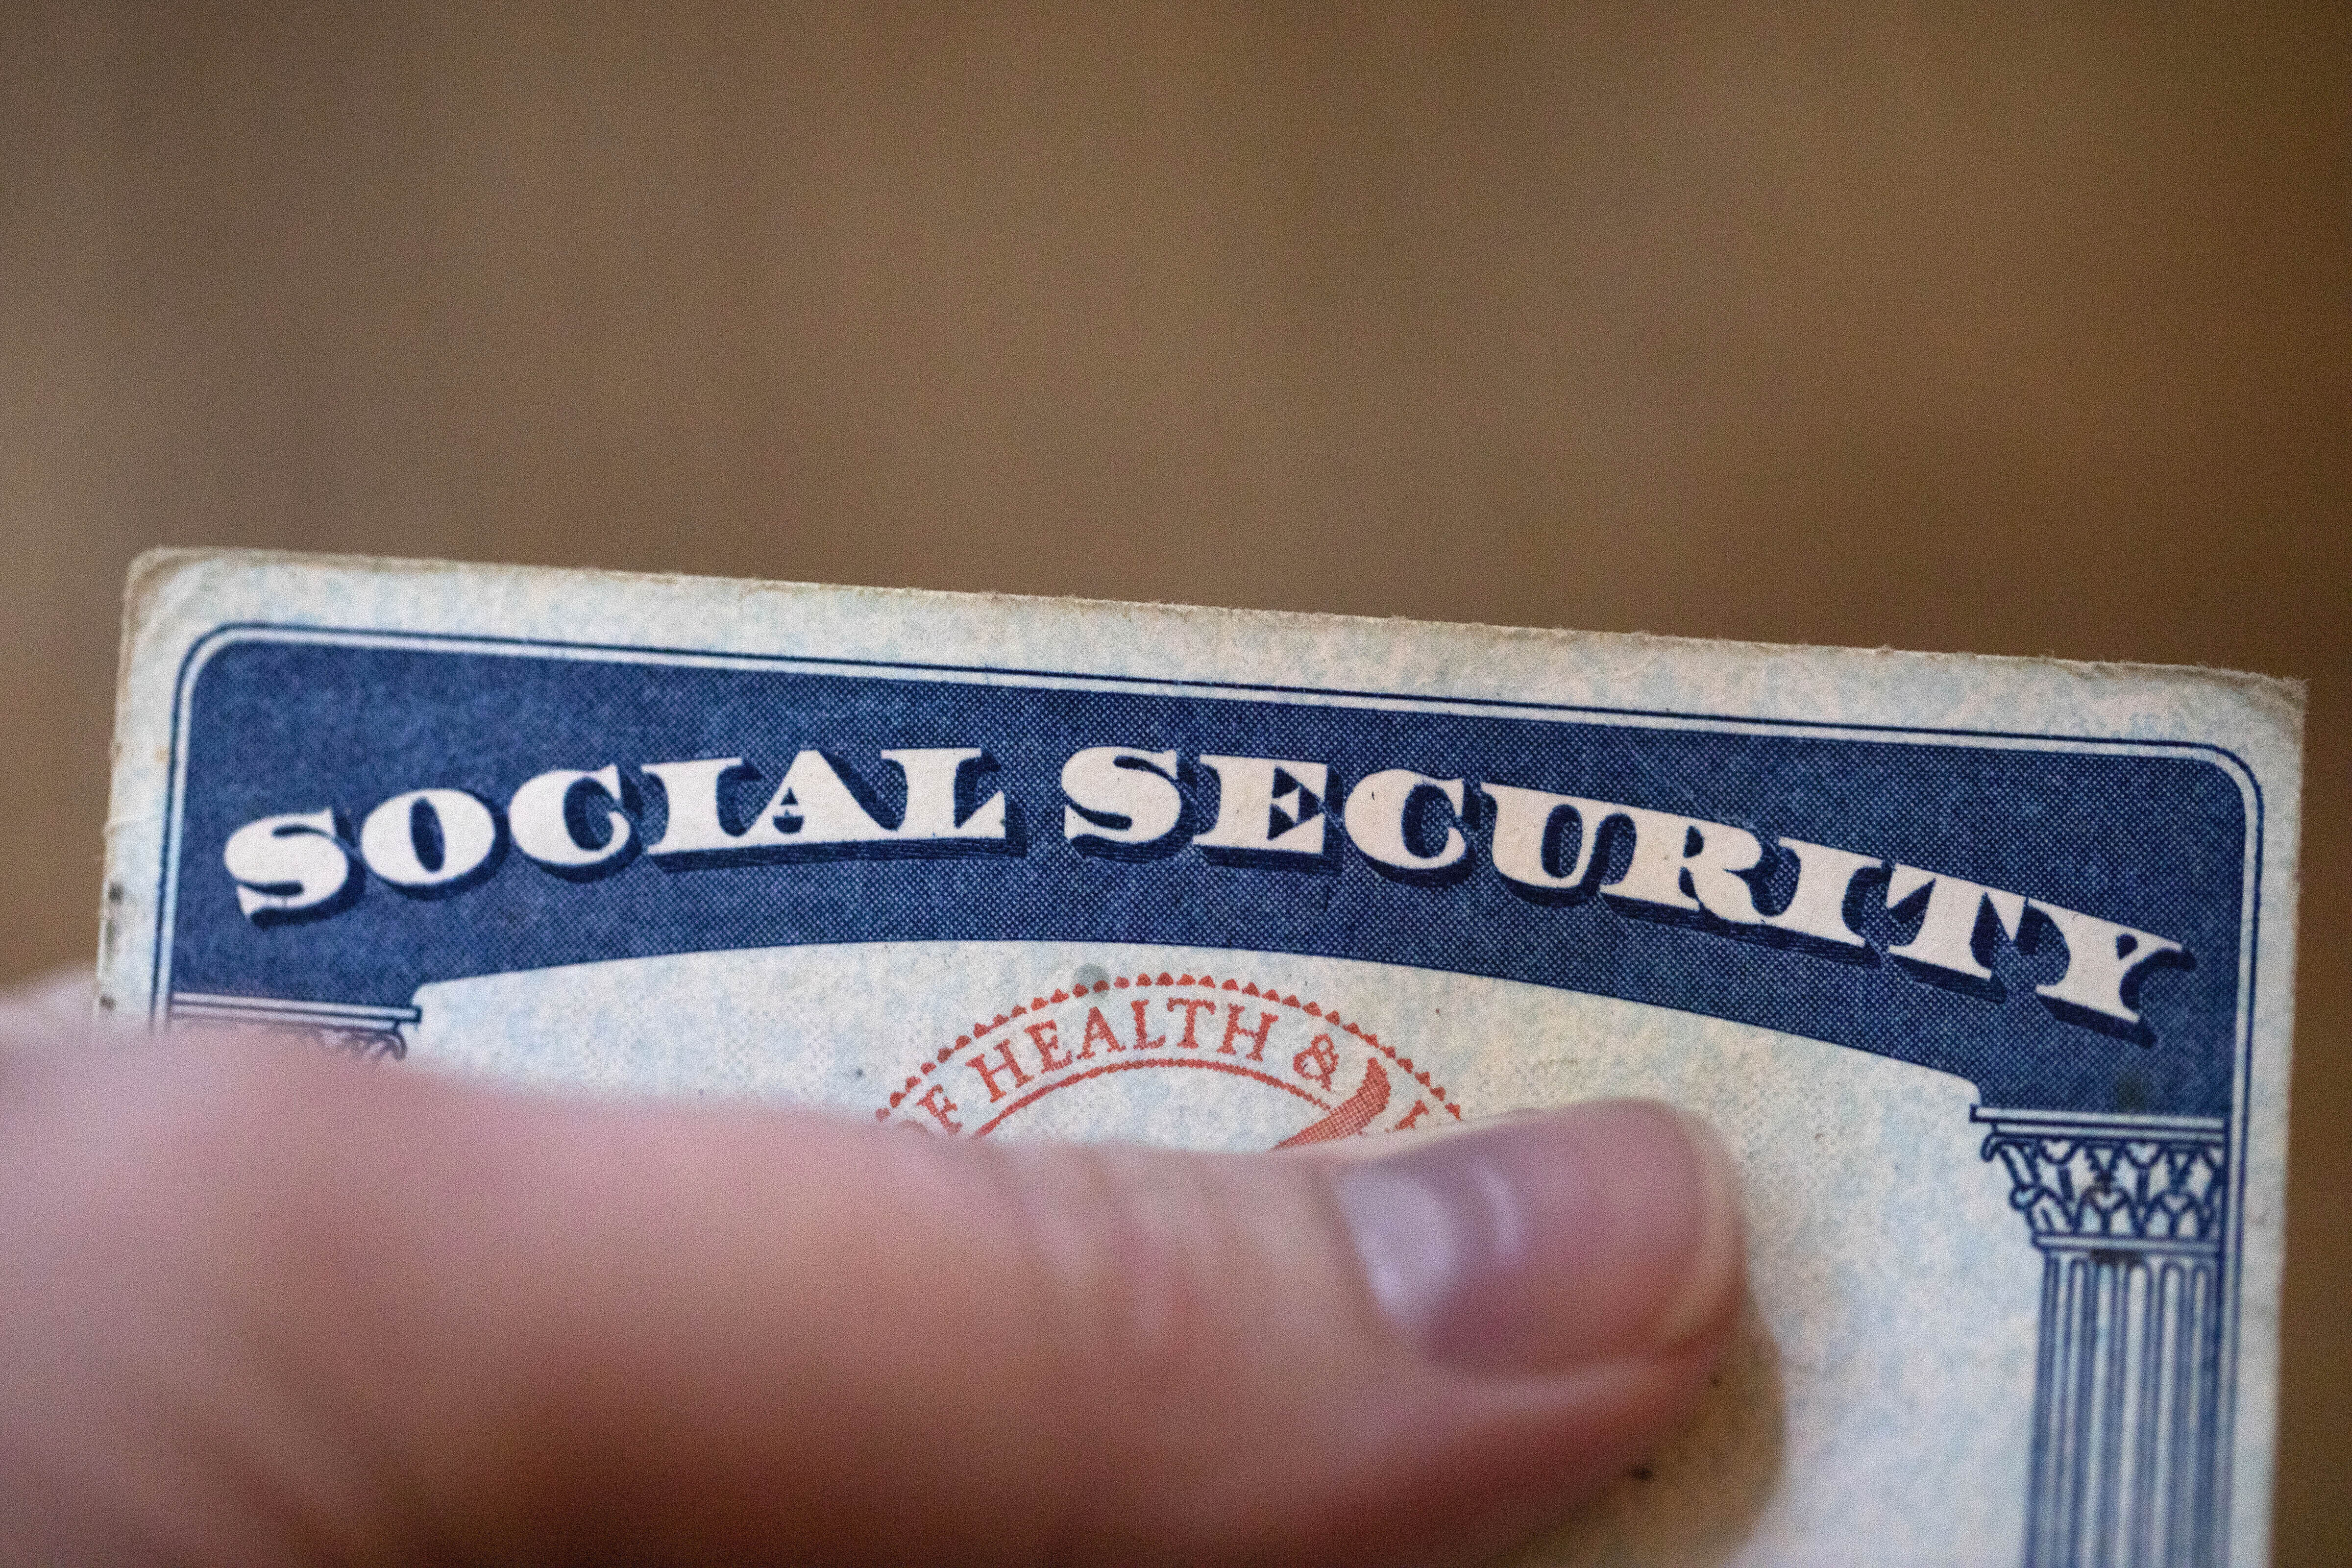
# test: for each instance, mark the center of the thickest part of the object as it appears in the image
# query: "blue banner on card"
(2061, 922)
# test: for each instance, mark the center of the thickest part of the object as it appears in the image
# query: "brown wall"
(2017, 328)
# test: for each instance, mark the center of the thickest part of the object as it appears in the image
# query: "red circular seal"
(1170, 1058)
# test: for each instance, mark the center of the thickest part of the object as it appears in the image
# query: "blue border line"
(200, 644)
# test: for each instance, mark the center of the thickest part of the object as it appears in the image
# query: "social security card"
(1983, 966)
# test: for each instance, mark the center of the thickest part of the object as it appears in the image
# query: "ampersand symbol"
(1317, 1062)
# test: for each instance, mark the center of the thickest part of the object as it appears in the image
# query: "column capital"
(370, 1033)
(2131, 1183)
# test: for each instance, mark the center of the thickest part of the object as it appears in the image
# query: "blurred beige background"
(2017, 328)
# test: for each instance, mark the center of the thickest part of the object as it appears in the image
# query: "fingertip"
(1717, 1266)
(1543, 1243)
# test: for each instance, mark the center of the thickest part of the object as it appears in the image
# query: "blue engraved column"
(2127, 1212)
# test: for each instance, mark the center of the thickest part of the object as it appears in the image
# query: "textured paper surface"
(1983, 965)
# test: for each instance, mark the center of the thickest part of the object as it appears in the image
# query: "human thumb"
(268, 1305)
